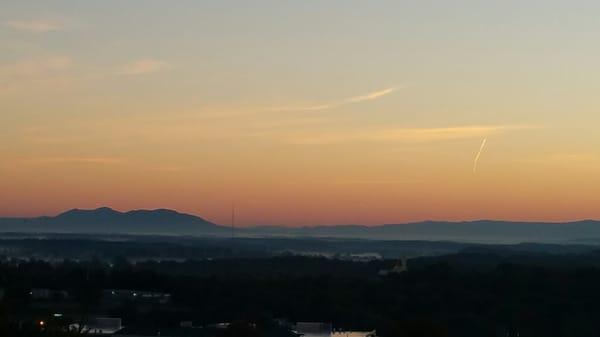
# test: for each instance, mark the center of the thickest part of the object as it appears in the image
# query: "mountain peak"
(106, 219)
(154, 211)
(97, 211)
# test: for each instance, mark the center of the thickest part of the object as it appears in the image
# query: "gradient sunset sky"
(302, 112)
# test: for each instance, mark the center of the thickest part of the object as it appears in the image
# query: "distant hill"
(484, 231)
(107, 220)
(168, 222)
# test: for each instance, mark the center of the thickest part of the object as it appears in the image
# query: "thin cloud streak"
(91, 161)
(331, 105)
(371, 96)
(31, 67)
(79, 160)
(34, 26)
(144, 66)
(408, 135)
(23, 75)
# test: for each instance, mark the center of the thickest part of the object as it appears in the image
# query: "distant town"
(128, 285)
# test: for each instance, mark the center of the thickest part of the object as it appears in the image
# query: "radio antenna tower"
(232, 219)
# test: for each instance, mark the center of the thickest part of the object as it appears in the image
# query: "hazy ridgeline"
(168, 222)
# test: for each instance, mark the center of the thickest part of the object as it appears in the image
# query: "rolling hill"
(169, 222)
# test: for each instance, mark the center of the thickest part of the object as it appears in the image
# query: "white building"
(99, 326)
(354, 334)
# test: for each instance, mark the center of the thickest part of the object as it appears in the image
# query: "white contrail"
(370, 96)
(478, 155)
(330, 105)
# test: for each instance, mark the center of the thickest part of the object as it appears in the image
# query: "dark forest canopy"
(465, 294)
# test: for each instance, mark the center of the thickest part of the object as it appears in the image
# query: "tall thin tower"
(232, 219)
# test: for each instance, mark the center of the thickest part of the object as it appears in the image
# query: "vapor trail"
(330, 105)
(478, 155)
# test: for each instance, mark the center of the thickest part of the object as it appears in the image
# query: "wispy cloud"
(144, 66)
(571, 159)
(36, 66)
(34, 26)
(278, 123)
(331, 105)
(104, 161)
(374, 181)
(371, 96)
(48, 72)
(409, 135)
(79, 160)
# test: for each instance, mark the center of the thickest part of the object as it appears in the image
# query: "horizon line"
(567, 221)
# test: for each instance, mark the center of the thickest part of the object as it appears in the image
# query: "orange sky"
(302, 113)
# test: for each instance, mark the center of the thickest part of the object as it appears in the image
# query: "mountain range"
(169, 222)
(107, 220)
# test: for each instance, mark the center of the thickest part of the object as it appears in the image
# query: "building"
(363, 257)
(99, 326)
(44, 294)
(313, 329)
(400, 267)
(354, 334)
(135, 295)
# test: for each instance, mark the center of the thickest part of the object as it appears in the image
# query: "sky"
(302, 112)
